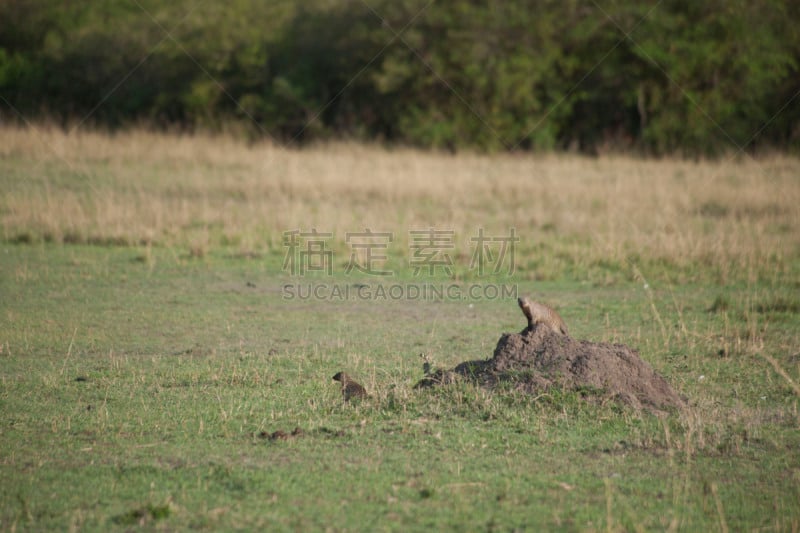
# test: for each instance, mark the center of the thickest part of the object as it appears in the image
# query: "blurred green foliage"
(674, 76)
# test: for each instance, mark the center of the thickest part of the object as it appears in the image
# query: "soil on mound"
(537, 359)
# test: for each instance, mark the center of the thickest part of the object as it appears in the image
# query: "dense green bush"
(676, 76)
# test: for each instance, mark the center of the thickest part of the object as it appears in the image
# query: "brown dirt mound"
(537, 359)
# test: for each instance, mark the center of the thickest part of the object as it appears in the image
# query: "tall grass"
(203, 192)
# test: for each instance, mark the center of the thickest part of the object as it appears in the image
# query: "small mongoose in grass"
(350, 389)
(537, 313)
(434, 376)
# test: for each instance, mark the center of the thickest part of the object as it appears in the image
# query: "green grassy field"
(148, 350)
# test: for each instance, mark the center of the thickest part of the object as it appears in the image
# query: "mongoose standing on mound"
(537, 313)
(350, 389)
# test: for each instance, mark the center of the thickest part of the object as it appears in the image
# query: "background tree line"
(674, 76)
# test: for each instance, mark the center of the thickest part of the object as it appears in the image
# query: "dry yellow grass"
(203, 192)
